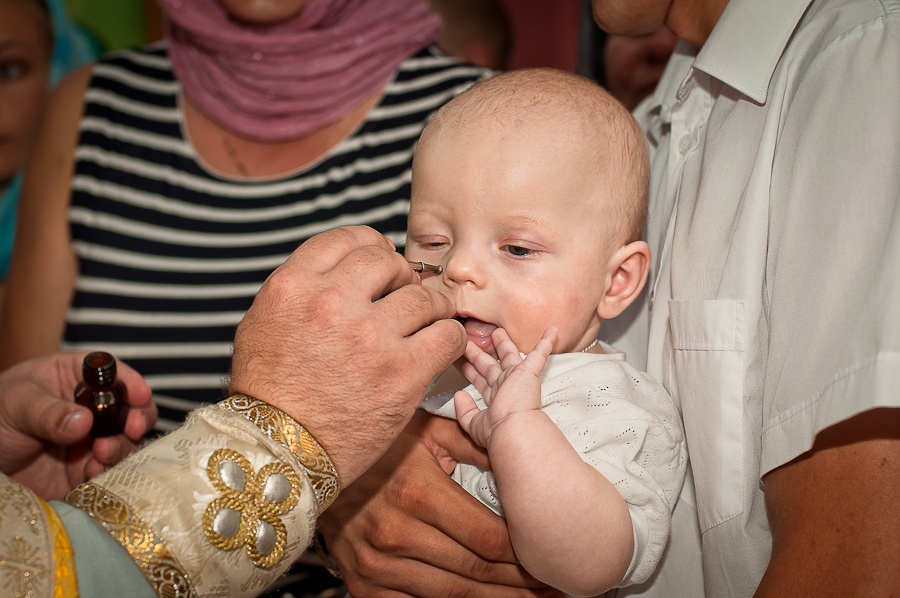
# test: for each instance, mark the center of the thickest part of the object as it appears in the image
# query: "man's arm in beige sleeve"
(223, 505)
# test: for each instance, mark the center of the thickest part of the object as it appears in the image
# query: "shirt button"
(685, 144)
(687, 86)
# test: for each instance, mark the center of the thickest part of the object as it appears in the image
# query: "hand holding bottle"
(44, 435)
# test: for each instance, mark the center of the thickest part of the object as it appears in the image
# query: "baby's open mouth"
(479, 332)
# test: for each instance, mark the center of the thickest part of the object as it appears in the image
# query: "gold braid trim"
(65, 580)
(282, 428)
(145, 546)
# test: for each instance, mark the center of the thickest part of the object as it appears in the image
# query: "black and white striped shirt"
(171, 253)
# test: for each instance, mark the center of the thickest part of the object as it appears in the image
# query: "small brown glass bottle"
(105, 396)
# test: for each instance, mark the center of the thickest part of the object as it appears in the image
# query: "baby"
(530, 190)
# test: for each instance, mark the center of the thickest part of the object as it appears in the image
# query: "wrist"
(519, 427)
(284, 429)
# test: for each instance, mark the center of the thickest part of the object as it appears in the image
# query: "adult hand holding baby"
(388, 524)
(304, 309)
(384, 510)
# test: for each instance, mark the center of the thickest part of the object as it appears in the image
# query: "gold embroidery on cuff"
(249, 511)
(145, 546)
(282, 428)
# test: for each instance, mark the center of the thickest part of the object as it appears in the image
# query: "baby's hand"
(509, 386)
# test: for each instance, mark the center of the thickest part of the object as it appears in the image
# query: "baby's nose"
(463, 267)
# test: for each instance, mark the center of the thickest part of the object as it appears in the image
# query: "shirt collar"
(747, 43)
(742, 51)
(655, 112)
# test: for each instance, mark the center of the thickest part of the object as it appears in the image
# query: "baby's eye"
(517, 250)
(432, 245)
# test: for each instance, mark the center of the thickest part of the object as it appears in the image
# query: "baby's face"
(512, 225)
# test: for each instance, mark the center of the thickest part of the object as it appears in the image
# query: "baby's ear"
(627, 272)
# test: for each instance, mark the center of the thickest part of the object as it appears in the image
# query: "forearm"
(569, 525)
(832, 513)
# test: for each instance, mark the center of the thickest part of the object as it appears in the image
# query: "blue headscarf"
(71, 49)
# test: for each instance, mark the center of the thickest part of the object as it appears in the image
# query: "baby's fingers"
(507, 351)
(466, 411)
(479, 382)
(534, 362)
(544, 347)
(483, 363)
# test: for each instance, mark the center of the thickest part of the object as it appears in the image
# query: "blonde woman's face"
(24, 68)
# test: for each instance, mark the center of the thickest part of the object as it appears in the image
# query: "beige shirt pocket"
(708, 342)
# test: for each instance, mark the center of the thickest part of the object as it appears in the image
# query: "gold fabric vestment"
(220, 507)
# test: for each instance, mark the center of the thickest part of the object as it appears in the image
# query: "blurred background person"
(475, 31)
(630, 67)
(38, 45)
(176, 177)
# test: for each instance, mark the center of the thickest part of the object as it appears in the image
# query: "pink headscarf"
(281, 82)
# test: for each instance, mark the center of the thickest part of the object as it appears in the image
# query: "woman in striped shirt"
(169, 181)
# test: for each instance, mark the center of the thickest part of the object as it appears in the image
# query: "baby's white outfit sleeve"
(621, 422)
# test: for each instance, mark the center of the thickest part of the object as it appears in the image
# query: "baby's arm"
(569, 525)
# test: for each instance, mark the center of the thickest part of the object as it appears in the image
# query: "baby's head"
(530, 189)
